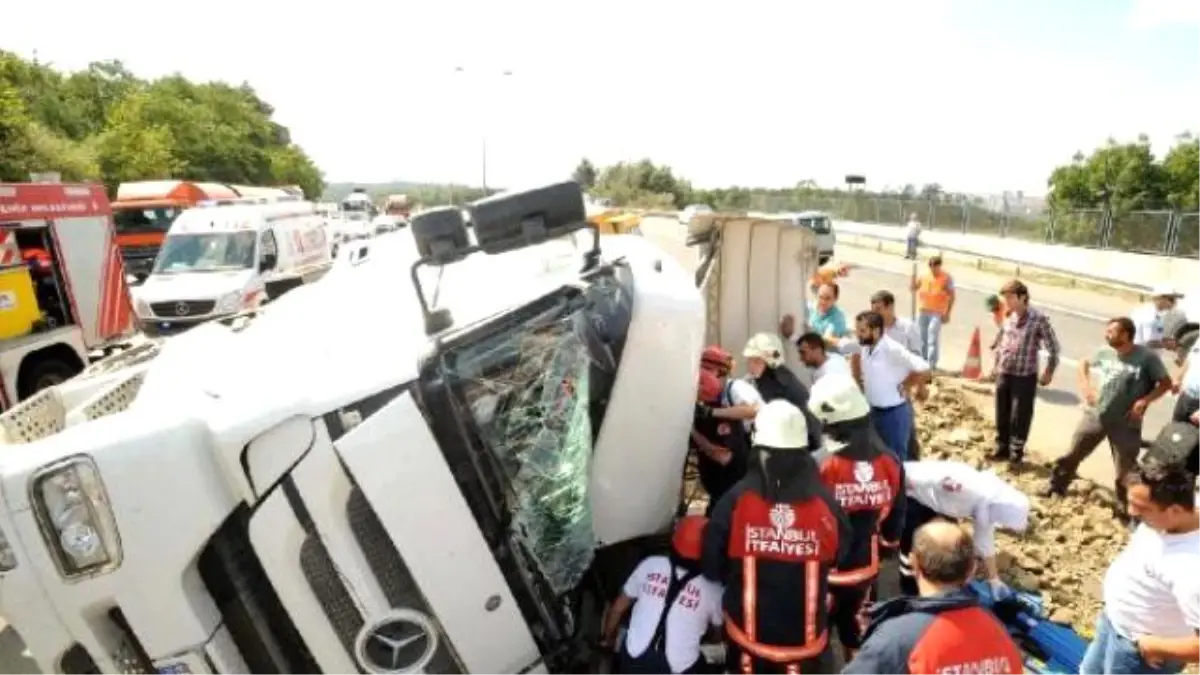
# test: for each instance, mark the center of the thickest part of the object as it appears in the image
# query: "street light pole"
(483, 140)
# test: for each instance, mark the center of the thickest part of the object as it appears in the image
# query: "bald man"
(924, 634)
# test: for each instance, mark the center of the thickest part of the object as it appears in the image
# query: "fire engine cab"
(62, 285)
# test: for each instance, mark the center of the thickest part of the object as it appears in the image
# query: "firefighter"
(774, 380)
(772, 541)
(674, 607)
(739, 399)
(867, 480)
(722, 445)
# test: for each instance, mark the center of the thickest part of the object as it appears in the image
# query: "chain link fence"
(1154, 232)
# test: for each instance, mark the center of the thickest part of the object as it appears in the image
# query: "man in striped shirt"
(1023, 334)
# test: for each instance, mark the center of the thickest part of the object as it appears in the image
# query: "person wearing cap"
(1150, 319)
(774, 380)
(868, 481)
(956, 490)
(1024, 332)
(722, 445)
(945, 629)
(890, 376)
(912, 236)
(935, 300)
(772, 541)
(673, 605)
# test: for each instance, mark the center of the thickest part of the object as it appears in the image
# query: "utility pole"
(483, 155)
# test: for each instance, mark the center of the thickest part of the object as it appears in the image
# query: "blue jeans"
(910, 247)
(1110, 653)
(894, 425)
(931, 336)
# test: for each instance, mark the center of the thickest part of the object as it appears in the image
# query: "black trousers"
(1124, 440)
(848, 615)
(1184, 407)
(738, 660)
(1015, 395)
(916, 514)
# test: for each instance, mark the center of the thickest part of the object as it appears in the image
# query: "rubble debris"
(1070, 541)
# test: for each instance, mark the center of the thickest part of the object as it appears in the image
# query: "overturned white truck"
(444, 465)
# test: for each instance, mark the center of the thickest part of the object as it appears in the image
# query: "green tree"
(1181, 172)
(585, 174)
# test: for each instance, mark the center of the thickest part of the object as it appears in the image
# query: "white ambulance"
(221, 259)
(63, 293)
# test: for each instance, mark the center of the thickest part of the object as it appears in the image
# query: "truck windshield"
(206, 252)
(819, 225)
(130, 220)
(536, 387)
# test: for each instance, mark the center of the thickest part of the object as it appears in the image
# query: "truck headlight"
(75, 517)
(8, 557)
(229, 303)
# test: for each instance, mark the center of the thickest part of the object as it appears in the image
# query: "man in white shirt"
(811, 348)
(958, 491)
(674, 607)
(912, 235)
(889, 375)
(1150, 319)
(900, 329)
(1151, 617)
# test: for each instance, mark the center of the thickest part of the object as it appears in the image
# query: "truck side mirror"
(267, 262)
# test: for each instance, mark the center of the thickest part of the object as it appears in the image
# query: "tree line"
(106, 124)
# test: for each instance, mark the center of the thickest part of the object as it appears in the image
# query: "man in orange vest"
(935, 298)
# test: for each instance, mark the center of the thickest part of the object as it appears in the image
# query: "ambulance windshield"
(537, 392)
(206, 252)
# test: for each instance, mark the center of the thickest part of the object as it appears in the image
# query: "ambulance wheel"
(44, 374)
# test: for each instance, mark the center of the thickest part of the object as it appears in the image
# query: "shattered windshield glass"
(532, 390)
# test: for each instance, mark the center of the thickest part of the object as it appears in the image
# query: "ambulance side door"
(91, 263)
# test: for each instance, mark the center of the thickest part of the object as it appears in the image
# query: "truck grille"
(182, 308)
(256, 620)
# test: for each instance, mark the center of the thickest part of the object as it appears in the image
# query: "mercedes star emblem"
(181, 309)
(401, 641)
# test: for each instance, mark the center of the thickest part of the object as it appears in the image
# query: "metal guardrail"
(1169, 233)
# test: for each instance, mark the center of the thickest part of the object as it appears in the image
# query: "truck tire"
(44, 374)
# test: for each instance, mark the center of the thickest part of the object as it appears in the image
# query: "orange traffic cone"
(973, 368)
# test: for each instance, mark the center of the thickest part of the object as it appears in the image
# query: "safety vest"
(933, 293)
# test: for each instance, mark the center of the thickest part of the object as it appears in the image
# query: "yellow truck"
(612, 220)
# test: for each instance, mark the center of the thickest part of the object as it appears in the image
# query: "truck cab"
(454, 480)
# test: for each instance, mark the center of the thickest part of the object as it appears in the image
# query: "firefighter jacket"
(867, 480)
(772, 541)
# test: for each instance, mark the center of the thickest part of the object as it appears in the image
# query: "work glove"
(1000, 590)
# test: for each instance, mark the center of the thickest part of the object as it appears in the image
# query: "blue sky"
(978, 95)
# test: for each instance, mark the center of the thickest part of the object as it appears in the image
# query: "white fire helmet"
(836, 398)
(765, 346)
(780, 425)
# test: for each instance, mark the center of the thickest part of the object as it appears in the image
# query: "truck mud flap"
(277, 287)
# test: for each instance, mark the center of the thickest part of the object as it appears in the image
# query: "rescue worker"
(944, 630)
(739, 399)
(771, 542)
(955, 491)
(935, 300)
(722, 445)
(868, 482)
(674, 607)
(1151, 320)
(774, 380)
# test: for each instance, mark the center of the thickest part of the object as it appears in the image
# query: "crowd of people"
(810, 488)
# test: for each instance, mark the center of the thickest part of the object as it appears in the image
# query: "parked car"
(822, 226)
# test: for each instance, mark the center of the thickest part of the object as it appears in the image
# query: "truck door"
(91, 264)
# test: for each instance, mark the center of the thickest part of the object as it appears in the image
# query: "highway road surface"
(1078, 318)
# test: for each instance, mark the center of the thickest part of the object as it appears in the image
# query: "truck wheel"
(43, 375)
